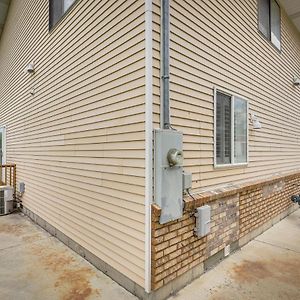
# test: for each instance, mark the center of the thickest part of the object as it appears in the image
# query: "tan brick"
(211, 236)
(193, 251)
(158, 270)
(187, 235)
(215, 217)
(170, 235)
(157, 225)
(175, 254)
(175, 226)
(196, 262)
(197, 255)
(187, 261)
(176, 240)
(215, 228)
(212, 224)
(203, 246)
(160, 247)
(158, 240)
(213, 252)
(159, 277)
(161, 231)
(185, 216)
(222, 246)
(173, 269)
(184, 256)
(157, 255)
(170, 264)
(155, 219)
(160, 261)
(197, 243)
(187, 248)
(183, 230)
(183, 243)
(189, 221)
(170, 249)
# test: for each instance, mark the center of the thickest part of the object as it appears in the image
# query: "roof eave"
(292, 8)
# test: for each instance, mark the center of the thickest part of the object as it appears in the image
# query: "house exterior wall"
(217, 44)
(79, 141)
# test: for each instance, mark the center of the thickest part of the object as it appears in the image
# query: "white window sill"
(231, 166)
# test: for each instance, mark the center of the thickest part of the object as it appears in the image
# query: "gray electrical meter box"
(203, 221)
(168, 168)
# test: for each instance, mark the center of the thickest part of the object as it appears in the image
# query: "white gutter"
(148, 138)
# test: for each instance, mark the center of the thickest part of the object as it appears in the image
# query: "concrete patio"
(268, 268)
(34, 265)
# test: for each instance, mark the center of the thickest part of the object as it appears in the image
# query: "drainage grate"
(2, 207)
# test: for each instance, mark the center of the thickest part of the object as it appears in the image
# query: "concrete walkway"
(268, 268)
(36, 266)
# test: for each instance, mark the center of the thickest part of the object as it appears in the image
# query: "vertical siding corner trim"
(148, 137)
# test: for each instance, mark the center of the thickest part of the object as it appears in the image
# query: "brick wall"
(260, 204)
(234, 213)
(175, 248)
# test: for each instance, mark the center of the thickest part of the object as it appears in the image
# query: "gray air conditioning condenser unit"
(6, 200)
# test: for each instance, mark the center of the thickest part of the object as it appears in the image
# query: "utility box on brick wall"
(168, 170)
(186, 181)
(203, 221)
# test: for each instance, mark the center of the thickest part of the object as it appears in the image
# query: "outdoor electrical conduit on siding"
(165, 63)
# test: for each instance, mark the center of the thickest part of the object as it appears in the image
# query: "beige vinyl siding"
(79, 142)
(217, 44)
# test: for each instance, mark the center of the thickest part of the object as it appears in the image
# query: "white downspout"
(148, 142)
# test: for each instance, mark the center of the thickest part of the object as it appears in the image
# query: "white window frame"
(269, 38)
(62, 13)
(232, 96)
(3, 130)
(65, 7)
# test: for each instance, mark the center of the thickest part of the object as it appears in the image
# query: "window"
(57, 8)
(2, 146)
(269, 20)
(231, 129)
